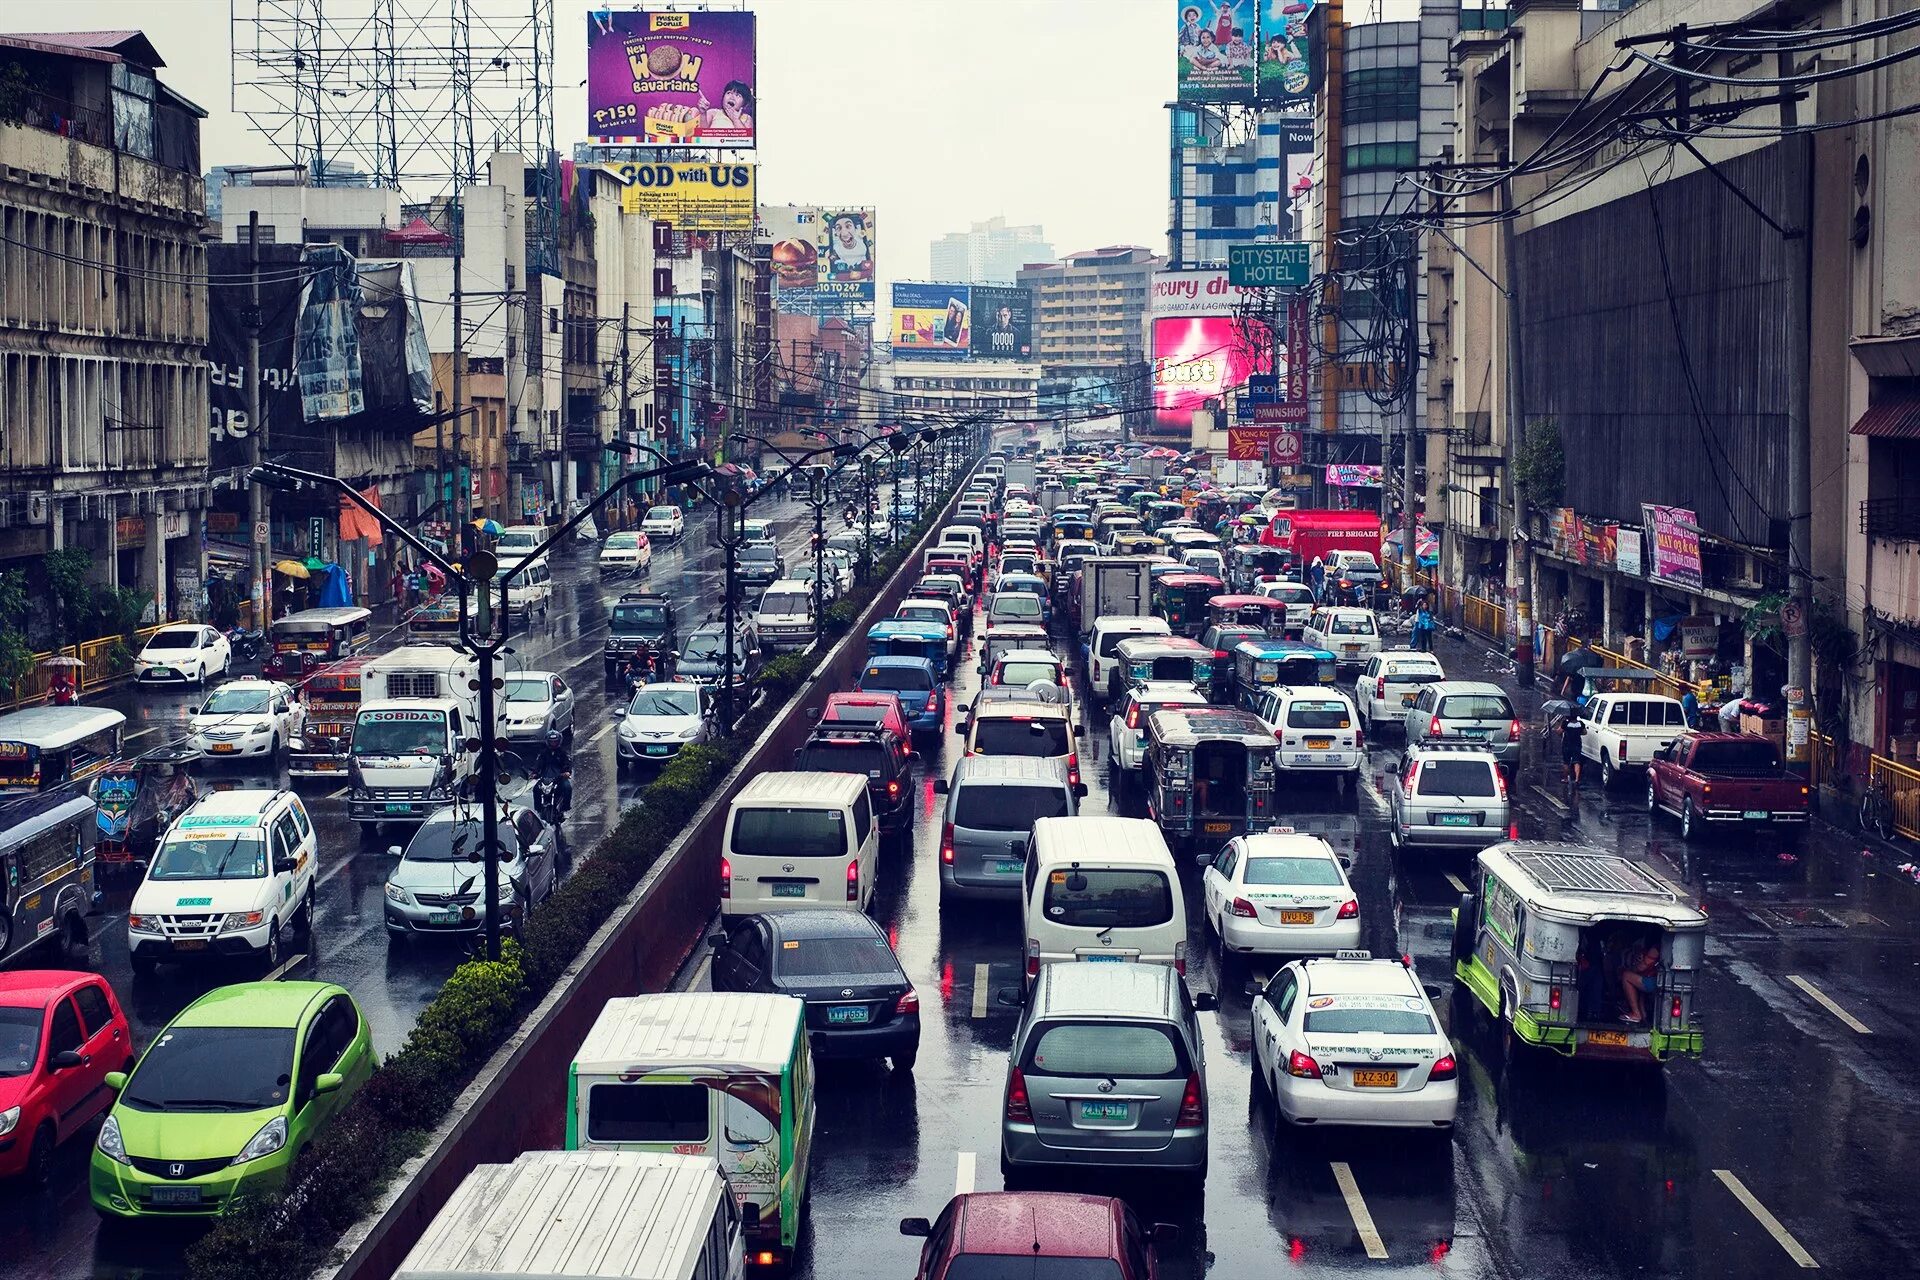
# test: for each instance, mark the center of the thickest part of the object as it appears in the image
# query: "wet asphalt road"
(1790, 1141)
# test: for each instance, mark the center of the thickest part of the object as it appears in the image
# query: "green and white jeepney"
(1546, 935)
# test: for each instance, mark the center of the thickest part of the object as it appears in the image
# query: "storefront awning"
(1897, 418)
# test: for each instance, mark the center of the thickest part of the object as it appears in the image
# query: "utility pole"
(458, 498)
(624, 429)
(1799, 497)
(1331, 89)
(1520, 553)
(258, 511)
(1408, 489)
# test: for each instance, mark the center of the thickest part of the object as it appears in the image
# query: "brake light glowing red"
(1301, 1067)
(1513, 730)
(908, 1003)
(726, 878)
(1553, 998)
(1133, 716)
(1500, 781)
(1380, 687)
(946, 843)
(1033, 957)
(853, 881)
(1073, 768)
(1677, 1010)
(1193, 1107)
(1413, 772)
(1244, 909)
(1445, 1069)
(1349, 910)
(1019, 1110)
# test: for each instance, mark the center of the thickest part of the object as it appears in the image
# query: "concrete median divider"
(517, 1101)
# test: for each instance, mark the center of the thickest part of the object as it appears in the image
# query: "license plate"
(1009, 866)
(1475, 735)
(790, 890)
(443, 917)
(656, 751)
(176, 1195)
(1458, 820)
(1296, 917)
(327, 766)
(399, 808)
(1217, 828)
(159, 671)
(1376, 1079)
(1616, 1038)
(1092, 959)
(1760, 814)
(222, 748)
(1319, 744)
(189, 944)
(846, 1015)
(1104, 1111)
(1350, 650)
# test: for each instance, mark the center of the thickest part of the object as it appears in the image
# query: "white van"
(1351, 635)
(964, 535)
(1102, 889)
(637, 1215)
(516, 540)
(1103, 648)
(1318, 728)
(1623, 730)
(797, 840)
(530, 594)
(234, 876)
(665, 523)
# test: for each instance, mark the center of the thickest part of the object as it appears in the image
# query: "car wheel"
(1607, 774)
(73, 939)
(903, 1062)
(306, 917)
(1653, 797)
(1687, 830)
(273, 946)
(40, 1158)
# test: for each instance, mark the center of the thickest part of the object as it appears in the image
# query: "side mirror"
(328, 1082)
(1205, 1002)
(62, 1060)
(1165, 1233)
(750, 1215)
(717, 941)
(617, 712)
(394, 850)
(1204, 860)
(915, 1227)
(1252, 987)
(1345, 860)
(115, 1080)
(284, 866)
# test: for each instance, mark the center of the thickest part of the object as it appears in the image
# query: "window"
(1283, 1002)
(791, 833)
(1363, 1021)
(1108, 898)
(93, 1008)
(1291, 870)
(656, 1114)
(65, 1034)
(1008, 808)
(862, 818)
(1456, 778)
(1106, 1049)
(1476, 706)
(1372, 156)
(1376, 94)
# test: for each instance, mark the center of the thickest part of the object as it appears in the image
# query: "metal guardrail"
(1903, 790)
(92, 677)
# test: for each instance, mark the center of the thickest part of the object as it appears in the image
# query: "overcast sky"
(938, 113)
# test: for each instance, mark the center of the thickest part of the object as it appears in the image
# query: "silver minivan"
(1107, 1071)
(992, 804)
(1451, 794)
(1469, 711)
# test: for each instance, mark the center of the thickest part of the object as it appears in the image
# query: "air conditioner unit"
(39, 507)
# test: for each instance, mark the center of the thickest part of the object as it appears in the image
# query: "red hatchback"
(61, 1032)
(1035, 1235)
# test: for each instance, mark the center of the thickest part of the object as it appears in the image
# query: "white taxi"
(247, 717)
(234, 876)
(1353, 1041)
(1282, 892)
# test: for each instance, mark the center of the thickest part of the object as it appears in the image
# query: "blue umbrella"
(489, 527)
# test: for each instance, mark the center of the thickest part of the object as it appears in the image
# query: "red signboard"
(1286, 448)
(1250, 444)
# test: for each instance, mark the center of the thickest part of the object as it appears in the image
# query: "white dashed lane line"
(1826, 1002)
(1781, 1236)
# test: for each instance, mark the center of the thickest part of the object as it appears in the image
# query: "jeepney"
(332, 698)
(437, 619)
(1209, 774)
(46, 870)
(46, 747)
(1181, 598)
(1545, 936)
(1164, 658)
(1264, 664)
(905, 638)
(1249, 564)
(299, 642)
(1265, 612)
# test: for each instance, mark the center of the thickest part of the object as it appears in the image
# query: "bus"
(46, 747)
(46, 870)
(332, 698)
(301, 641)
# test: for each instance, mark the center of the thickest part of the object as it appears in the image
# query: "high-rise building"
(1235, 171)
(1090, 326)
(991, 252)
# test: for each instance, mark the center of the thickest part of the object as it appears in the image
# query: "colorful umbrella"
(489, 527)
(292, 568)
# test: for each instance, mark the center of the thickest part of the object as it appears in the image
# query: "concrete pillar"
(153, 564)
(1609, 633)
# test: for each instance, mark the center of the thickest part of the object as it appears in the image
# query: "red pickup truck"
(1724, 778)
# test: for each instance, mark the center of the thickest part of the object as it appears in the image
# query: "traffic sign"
(1286, 448)
(1284, 264)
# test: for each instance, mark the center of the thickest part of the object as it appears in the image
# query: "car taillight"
(853, 881)
(1360, 734)
(1349, 910)
(1244, 909)
(946, 843)
(1513, 730)
(1553, 998)
(908, 1003)
(1073, 768)
(726, 878)
(1301, 1067)
(1677, 1010)
(1019, 1110)
(1033, 957)
(933, 700)
(893, 791)
(1445, 1069)
(1133, 716)
(1623, 751)
(1180, 958)
(1380, 687)
(1500, 782)
(1193, 1108)
(1413, 772)
(1433, 727)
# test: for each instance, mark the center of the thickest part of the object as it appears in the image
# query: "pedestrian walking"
(1423, 628)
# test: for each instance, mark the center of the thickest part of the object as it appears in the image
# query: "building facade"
(1090, 330)
(989, 252)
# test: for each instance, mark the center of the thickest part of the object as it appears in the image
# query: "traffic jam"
(1159, 854)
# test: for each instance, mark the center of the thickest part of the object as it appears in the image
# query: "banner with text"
(932, 321)
(1002, 322)
(1284, 74)
(1216, 50)
(672, 79)
(691, 194)
(1676, 545)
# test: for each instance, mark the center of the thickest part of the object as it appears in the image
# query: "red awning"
(1895, 419)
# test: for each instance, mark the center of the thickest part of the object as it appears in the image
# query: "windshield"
(517, 540)
(1108, 899)
(228, 702)
(786, 602)
(213, 1069)
(1021, 736)
(1360, 1022)
(639, 617)
(896, 679)
(801, 958)
(400, 733)
(460, 841)
(19, 1040)
(526, 688)
(1318, 715)
(1023, 673)
(1355, 625)
(706, 644)
(222, 855)
(759, 552)
(623, 542)
(988, 807)
(1290, 871)
(177, 639)
(789, 833)
(1015, 604)
(665, 702)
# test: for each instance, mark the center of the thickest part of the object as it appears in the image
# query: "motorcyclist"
(640, 665)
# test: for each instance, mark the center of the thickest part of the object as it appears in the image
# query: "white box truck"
(1113, 587)
(419, 706)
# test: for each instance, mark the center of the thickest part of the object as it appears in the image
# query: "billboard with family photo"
(1002, 322)
(1285, 71)
(671, 79)
(932, 321)
(1217, 43)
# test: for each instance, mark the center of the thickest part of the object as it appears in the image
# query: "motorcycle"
(246, 645)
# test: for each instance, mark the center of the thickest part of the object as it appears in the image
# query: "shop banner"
(1676, 545)
(1250, 444)
(1002, 323)
(326, 337)
(692, 195)
(672, 79)
(1626, 555)
(932, 321)
(1353, 475)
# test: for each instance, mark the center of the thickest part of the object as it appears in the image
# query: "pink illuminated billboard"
(1198, 358)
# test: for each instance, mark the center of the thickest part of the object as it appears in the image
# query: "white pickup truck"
(1623, 730)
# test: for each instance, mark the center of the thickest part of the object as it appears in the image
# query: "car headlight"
(9, 1118)
(272, 1137)
(628, 730)
(143, 924)
(241, 920)
(687, 734)
(396, 894)
(259, 729)
(109, 1142)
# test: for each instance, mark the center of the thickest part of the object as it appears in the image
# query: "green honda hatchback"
(226, 1096)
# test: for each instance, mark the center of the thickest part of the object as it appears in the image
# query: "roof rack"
(1596, 873)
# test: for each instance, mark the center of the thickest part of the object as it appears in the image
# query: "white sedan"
(247, 717)
(1280, 893)
(1353, 1041)
(187, 652)
(662, 718)
(627, 552)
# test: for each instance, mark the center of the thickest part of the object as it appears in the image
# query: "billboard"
(1197, 358)
(1285, 72)
(823, 257)
(671, 79)
(693, 195)
(844, 243)
(932, 321)
(1002, 322)
(1676, 544)
(1216, 50)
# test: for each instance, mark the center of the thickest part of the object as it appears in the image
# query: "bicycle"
(1876, 808)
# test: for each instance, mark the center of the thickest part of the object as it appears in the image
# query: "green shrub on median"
(341, 1176)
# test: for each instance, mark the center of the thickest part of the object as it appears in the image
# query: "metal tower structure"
(407, 94)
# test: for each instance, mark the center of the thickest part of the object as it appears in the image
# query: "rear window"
(1044, 738)
(1647, 713)
(1108, 899)
(1024, 673)
(1756, 756)
(1475, 706)
(1358, 1022)
(1290, 871)
(1456, 778)
(1023, 1266)
(1014, 604)
(1408, 673)
(649, 1113)
(864, 758)
(987, 807)
(896, 679)
(1111, 641)
(1318, 714)
(1356, 625)
(789, 833)
(1106, 1049)
(813, 957)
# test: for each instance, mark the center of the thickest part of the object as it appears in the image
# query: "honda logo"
(176, 1171)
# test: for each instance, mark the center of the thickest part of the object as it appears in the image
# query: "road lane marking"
(701, 972)
(340, 794)
(277, 973)
(1825, 1002)
(963, 1173)
(1357, 1209)
(1455, 881)
(1781, 1236)
(605, 729)
(980, 991)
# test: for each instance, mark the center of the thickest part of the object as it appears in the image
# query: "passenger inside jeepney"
(1618, 972)
(1220, 779)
